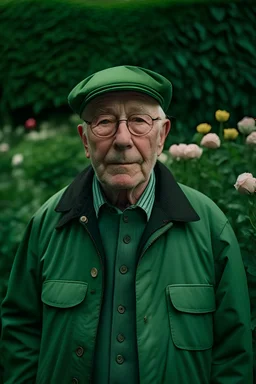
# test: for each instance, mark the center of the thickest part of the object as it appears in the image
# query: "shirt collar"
(171, 203)
(145, 202)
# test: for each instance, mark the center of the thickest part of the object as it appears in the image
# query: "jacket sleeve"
(232, 351)
(21, 317)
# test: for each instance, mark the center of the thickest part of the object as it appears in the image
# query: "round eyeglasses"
(107, 125)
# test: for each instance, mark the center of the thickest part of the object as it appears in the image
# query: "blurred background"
(207, 50)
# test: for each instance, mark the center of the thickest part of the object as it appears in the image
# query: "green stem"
(221, 130)
(254, 227)
(252, 210)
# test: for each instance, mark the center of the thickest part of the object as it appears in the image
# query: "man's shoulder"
(203, 205)
(196, 195)
(48, 208)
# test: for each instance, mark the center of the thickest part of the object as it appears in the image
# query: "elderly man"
(126, 276)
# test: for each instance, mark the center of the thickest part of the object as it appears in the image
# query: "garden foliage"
(207, 50)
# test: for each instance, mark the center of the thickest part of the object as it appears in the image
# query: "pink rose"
(246, 125)
(251, 139)
(30, 123)
(211, 140)
(192, 151)
(177, 151)
(246, 183)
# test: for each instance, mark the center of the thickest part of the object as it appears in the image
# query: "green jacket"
(192, 306)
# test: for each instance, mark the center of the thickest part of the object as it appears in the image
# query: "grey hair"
(84, 124)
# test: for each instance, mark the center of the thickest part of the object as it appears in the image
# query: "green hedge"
(207, 51)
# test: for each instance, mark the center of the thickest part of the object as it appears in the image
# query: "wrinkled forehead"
(110, 103)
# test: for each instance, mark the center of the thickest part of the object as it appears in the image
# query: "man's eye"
(137, 119)
(105, 122)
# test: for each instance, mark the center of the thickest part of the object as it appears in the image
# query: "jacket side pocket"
(190, 309)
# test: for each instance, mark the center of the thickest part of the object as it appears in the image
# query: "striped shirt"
(145, 202)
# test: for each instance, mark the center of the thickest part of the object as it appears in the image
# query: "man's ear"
(83, 136)
(163, 134)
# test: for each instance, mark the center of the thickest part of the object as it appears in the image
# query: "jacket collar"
(171, 204)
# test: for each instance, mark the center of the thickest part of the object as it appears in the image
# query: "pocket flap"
(192, 298)
(63, 293)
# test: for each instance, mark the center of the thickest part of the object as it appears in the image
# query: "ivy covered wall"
(207, 51)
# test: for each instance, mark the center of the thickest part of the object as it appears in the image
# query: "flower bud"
(203, 128)
(177, 151)
(251, 139)
(246, 125)
(4, 147)
(245, 183)
(222, 116)
(30, 123)
(192, 151)
(17, 159)
(230, 133)
(211, 140)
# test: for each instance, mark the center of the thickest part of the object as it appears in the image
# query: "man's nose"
(123, 137)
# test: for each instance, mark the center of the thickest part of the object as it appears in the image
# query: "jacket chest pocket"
(190, 309)
(63, 293)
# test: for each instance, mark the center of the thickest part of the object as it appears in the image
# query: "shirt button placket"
(127, 239)
(123, 269)
(125, 219)
(119, 359)
(120, 337)
(121, 309)
(79, 351)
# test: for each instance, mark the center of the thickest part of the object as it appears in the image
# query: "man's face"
(124, 161)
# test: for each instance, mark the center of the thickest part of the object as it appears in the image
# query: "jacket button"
(127, 239)
(94, 272)
(119, 359)
(84, 219)
(125, 219)
(121, 309)
(79, 351)
(123, 269)
(74, 381)
(120, 337)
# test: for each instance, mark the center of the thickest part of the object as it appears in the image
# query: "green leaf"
(246, 45)
(218, 13)
(182, 60)
(209, 85)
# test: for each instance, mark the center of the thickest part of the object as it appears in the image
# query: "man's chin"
(120, 181)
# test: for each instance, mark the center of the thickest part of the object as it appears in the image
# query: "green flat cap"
(122, 78)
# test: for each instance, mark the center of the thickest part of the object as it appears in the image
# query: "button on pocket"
(191, 308)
